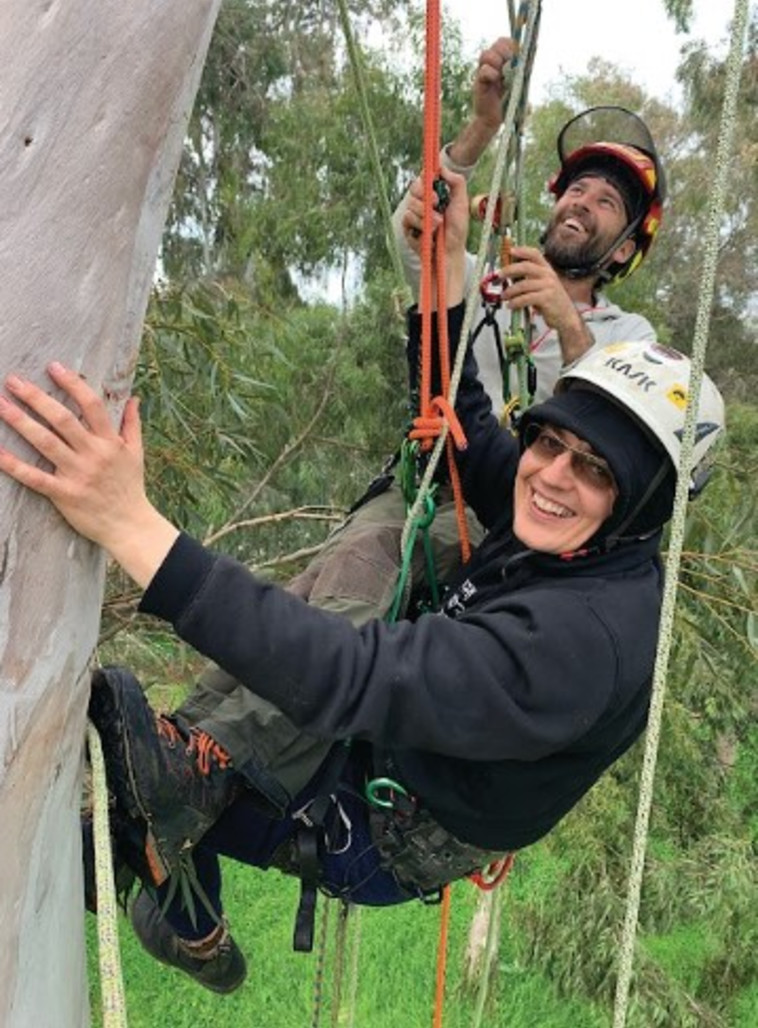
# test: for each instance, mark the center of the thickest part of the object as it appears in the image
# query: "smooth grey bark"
(95, 102)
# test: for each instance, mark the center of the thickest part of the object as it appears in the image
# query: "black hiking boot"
(169, 781)
(223, 969)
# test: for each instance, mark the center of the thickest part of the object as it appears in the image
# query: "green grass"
(746, 1008)
(396, 979)
(684, 952)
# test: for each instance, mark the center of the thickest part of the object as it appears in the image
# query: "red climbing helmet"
(616, 143)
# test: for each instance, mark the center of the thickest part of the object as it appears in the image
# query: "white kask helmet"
(652, 381)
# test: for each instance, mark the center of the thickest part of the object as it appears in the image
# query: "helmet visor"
(609, 125)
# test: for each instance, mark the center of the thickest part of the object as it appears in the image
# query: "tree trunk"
(96, 98)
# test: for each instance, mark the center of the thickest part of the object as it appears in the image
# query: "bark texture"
(96, 98)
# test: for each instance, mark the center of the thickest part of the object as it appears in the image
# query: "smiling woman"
(591, 508)
(563, 492)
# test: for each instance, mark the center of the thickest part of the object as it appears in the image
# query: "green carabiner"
(430, 509)
(407, 470)
(374, 789)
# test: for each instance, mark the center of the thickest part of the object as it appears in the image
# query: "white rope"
(111, 979)
(715, 213)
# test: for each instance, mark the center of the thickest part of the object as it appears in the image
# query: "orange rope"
(430, 171)
(433, 266)
(429, 427)
(433, 263)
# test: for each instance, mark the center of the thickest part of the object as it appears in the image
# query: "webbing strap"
(309, 868)
(309, 837)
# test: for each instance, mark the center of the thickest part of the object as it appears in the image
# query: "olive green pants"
(354, 574)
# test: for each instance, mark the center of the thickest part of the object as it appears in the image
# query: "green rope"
(716, 208)
(421, 523)
(373, 149)
(111, 979)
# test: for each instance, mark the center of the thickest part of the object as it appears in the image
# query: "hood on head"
(644, 474)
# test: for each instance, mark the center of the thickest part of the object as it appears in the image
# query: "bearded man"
(610, 190)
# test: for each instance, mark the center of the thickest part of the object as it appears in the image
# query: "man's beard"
(569, 254)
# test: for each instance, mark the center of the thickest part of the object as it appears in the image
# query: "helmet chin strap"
(617, 536)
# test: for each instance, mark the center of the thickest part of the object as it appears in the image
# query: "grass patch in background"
(398, 950)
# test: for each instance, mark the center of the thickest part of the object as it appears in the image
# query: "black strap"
(309, 838)
(308, 858)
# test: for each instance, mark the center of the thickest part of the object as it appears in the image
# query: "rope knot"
(428, 426)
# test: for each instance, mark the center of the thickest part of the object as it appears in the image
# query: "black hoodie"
(498, 713)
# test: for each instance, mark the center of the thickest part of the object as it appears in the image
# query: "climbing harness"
(422, 854)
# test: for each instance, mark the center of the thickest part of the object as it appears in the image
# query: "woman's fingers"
(59, 418)
(49, 442)
(56, 429)
(33, 478)
(131, 425)
(57, 433)
(87, 400)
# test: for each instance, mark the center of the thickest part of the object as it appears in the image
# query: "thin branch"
(745, 644)
(119, 626)
(709, 598)
(297, 514)
(287, 558)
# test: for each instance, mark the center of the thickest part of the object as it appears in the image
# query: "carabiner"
(377, 786)
(491, 287)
